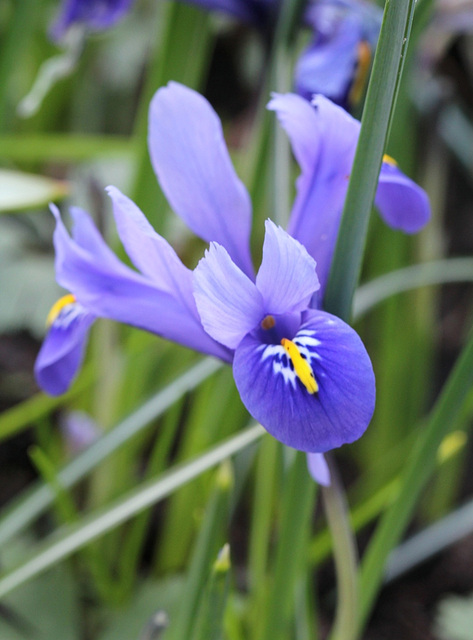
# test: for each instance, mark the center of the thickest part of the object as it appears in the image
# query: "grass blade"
(64, 543)
(380, 100)
(419, 467)
(40, 497)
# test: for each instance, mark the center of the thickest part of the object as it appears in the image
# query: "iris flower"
(301, 372)
(337, 62)
(94, 14)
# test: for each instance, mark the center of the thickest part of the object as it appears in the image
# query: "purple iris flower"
(303, 373)
(338, 60)
(94, 14)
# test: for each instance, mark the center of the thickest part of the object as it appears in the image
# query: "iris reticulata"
(303, 373)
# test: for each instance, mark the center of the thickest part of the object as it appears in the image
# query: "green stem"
(281, 79)
(14, 38)
(296, 511)
(421, 464)
(345, 556)
(187, 29)
(377, 114)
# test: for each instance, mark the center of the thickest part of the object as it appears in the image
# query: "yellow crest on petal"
(58, 306)
(302, 368)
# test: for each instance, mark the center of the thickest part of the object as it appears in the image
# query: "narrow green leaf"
(345, 557)
(380, 100)
(65, 542)
(209, 622)
(39, 147)
(420, 465)
(36, 500)
(212, 529)
(421, 275)
(297, 507)
(20, 191)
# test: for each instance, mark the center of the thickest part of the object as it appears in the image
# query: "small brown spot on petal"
(268, 322)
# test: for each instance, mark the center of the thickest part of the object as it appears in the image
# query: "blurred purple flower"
(337, 62)
(93, 14)
(79, 430)
(301, 372)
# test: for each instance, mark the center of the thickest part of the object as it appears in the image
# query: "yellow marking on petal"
(301, 366)
(268, 322)
(58, 307)
(388, 160)
(361, 74)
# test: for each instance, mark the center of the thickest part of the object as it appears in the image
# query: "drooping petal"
(150, 252)
(401, 202)
(228, 302)
(194, 169)
(325, 147)
(311, 416)
(108, 288)
(63, 348)
(318, 468)
(287, 278)
(95, 14)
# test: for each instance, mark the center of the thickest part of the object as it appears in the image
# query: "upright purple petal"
(401, 202)
(287, 278)
(340, 409)
(194, 169)
(108, 288)
(325, 147)
(318, 468)
(94, 14)
(63, 349)
(228, 302)
(150, 252)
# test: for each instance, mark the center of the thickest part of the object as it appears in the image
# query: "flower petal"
(194, 169)
(108, 288)
(336, 64)
(63, 348)
(328, 65)
(150, 252)
(401, 202)
(95, 14)
(324, 147)
(228, 302)
(287, 277)
(337, 413)
(318, 468)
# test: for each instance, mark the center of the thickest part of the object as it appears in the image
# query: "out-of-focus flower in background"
(94, 15)
(79, 430)
(337, 62)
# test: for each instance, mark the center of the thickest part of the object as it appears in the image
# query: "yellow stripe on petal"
(388, 160)
(302, 368)
(58, 307)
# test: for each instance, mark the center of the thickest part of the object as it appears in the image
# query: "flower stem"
(377, 115)
(281, 79)
(345, 556)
